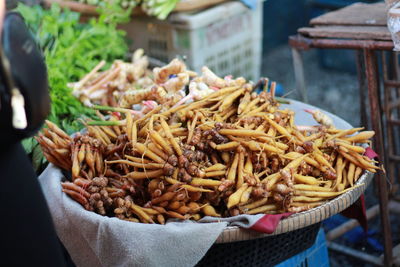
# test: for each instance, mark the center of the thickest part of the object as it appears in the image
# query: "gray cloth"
(94, 240)
(244, 221)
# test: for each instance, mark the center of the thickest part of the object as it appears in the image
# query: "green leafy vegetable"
(71, 49)
(159, 8)
(29, 144)
(122, 3)
(38, 159)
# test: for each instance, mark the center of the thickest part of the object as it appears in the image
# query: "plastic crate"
(317, 255)
(266, 251)
(227, 38)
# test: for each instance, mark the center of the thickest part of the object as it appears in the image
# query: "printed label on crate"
(216, 32)
(230, 43)
(226, 28)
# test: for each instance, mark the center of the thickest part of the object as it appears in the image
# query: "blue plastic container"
(317, 255)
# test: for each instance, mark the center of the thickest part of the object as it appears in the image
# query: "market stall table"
(361, 27)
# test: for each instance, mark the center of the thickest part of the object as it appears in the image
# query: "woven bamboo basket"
(302, 219)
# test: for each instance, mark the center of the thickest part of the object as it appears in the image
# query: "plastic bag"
(393, 22)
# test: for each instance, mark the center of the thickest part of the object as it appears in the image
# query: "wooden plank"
(182, 6)
(74, 6)
(355, 253)
(191, 5)
(84, 9)
(356, 14)
(349, 32)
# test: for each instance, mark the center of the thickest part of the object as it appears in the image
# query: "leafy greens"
(71, 49)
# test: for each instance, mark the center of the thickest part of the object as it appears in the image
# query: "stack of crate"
(227, 38)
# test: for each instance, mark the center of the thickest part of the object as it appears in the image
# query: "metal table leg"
(362, 88)
(299, 74)
(389, 71)
(376, 122)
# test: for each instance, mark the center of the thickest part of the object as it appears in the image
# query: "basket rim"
(296, 220)
(302, 219)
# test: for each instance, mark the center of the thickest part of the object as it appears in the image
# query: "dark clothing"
(27, 232)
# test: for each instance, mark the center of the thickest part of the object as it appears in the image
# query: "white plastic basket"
(226, 38)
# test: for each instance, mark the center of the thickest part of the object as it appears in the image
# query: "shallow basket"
(243, 247)
(302, 219)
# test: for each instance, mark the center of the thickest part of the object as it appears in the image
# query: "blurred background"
(332, 84)
(336, 88)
